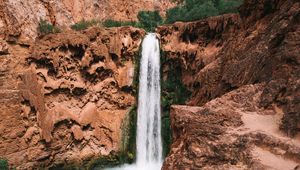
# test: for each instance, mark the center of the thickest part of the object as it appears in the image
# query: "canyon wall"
(19, 19)
(243, 72)
(65, 98)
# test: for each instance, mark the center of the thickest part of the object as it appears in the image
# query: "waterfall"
(148, 139)
(149, 147)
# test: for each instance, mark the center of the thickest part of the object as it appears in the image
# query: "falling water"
(149, 147)
(148, 139)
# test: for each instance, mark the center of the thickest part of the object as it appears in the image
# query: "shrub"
(174, 14)
(228, 6)
(149, 20)
(84, 24)
(3, 164)
(113, 23)
(202, 11)
(47, 28)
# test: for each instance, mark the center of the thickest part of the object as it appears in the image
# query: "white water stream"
(149, 147)
(148, 139)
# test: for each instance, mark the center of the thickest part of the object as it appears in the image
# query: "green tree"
(216, 2)
(201, 11)
(229, 6)
(149, 20)
(192, 10)
(174, 14)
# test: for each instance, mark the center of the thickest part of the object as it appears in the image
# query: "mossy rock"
(113, 160)
(173, 92)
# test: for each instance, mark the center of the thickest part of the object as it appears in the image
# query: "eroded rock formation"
(64, 98)
(259, 47)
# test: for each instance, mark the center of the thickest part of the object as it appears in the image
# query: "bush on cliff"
(84, 24)
(3, 164)
(149, 20)
(228, 6)
(112, 23)
(47, 28)
(192, 10)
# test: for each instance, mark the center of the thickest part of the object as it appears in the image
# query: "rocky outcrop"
(3, 48)
(189, 47)
(227, 52)
(19, 19)
(258, 46)
(68, 94)
(231, 132)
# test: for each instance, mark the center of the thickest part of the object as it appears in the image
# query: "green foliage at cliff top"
(113, 23)
(192, 10)
(148, 20)
(188, 10)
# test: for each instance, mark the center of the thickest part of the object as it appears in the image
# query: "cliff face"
(254, 55)
(19, 19)
(65, 97)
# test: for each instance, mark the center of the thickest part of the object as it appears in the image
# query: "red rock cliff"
(65, 97)
(243, 69)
